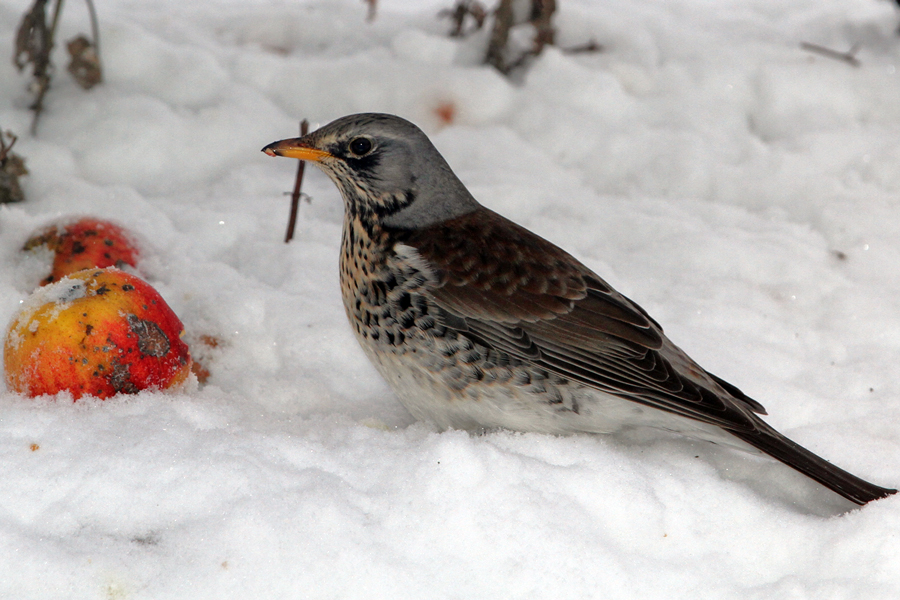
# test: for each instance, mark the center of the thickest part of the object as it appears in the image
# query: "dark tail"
(796, 456)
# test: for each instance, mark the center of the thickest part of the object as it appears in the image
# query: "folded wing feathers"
(521, 295)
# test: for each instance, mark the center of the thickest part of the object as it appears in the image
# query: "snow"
(742, 190)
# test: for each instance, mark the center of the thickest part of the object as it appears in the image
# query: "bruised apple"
(84, 244)
(98, 332)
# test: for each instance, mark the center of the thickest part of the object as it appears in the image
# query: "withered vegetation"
(12, 166)
(35, 40)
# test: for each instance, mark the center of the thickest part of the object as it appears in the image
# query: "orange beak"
(295, 148)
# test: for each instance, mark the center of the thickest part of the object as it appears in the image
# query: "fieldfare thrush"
(478, 323)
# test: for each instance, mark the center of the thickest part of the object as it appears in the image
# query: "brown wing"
(513, 291)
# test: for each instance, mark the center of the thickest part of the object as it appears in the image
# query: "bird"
(479, 324)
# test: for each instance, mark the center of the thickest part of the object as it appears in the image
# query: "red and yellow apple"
(97, 332)
(86, 243)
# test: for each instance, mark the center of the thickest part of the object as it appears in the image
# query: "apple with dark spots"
(85, 244)
(97, 332)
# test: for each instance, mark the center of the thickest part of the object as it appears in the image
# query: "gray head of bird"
(386, 168)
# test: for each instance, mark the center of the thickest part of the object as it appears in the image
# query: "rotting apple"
(86, 243)
(96, 332)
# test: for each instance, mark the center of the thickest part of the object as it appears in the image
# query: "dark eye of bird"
(360, 146)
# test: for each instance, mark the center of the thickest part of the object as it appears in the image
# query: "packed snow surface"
(743, 190)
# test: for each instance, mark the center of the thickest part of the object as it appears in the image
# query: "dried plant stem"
(4, 149)
(503, 20)
(296, 194)
(459, 13)
(590, 46)
(56, 12)
(373, 7)
(43, 77)
(848, 57)
(12, 166)
(35, 40)
(95, 27)
(541, 19)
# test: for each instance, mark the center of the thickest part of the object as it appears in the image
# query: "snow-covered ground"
(744, 191)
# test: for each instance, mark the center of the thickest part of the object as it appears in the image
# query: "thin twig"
(458, 14)
(541, 19)
(296, 194)
(85, 64)
(95, 27)
(848, 57)
(591, 46)
(12, 166)
(56, 13)
(496, 52)
(4, 148)
(373, 7)
(44, 84)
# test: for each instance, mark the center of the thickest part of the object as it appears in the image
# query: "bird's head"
(386, 168)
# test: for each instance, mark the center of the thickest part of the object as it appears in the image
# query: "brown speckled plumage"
(479, 323)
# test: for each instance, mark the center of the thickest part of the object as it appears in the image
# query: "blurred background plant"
(520, 30)
(12, 166)
(35, 40)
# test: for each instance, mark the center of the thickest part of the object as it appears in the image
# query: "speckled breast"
(440, 375)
